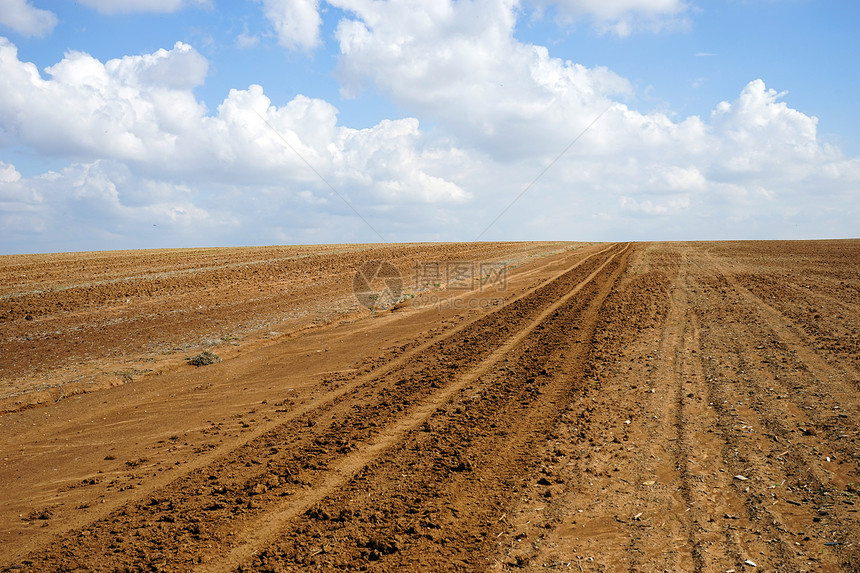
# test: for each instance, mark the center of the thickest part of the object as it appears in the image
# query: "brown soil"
(635, 407)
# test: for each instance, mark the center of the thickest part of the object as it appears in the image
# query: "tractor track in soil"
(206, 416)
(630, 407)
(314, 439)
(741, 443)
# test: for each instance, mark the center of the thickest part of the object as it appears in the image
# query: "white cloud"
(459, 64)
(95, 205)
(128, 108)
(141, 109)
(623, 17)
(142, 150)
(246, 39)
(389, 162)
(673, 204)
(387, 153)
(758, 133)
(141, 147)
(515, 107)
(25, 19)
(616, 9)
(177, 69)
(8, 173)
(296, 22)
(136, 6)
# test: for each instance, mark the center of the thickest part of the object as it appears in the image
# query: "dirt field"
(610, 407)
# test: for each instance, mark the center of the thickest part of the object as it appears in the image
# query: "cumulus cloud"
(8, 173)
(760, 134)
(95, 205)
(756, 169)
(459, 64)
(296, 22)
(390, 162)
(129, 108)
(142, 147)
(135, 6)
(148, 164)
(25, 19)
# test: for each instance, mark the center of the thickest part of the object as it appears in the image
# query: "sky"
(194, 123)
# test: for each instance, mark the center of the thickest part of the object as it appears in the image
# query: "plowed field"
(605, 407)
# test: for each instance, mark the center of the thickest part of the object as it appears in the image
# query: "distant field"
(75, 322)
(646, 407)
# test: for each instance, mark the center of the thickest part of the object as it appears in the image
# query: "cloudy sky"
(175, 123)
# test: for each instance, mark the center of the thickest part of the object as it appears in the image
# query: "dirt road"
(635, 407)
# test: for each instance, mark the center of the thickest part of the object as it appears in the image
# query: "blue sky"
(170, 123)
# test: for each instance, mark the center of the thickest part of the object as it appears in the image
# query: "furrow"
(460, 450)
(226, 494)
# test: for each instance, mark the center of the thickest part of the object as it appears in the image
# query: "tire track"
(835, 386)
(755, 395)
(640, 410)
(587, 506)
(212, 521)
(345, 387)
(691, 471)
(788, 332)
(450, 462)
(272, 522)
(724, 396)
(678, 342)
